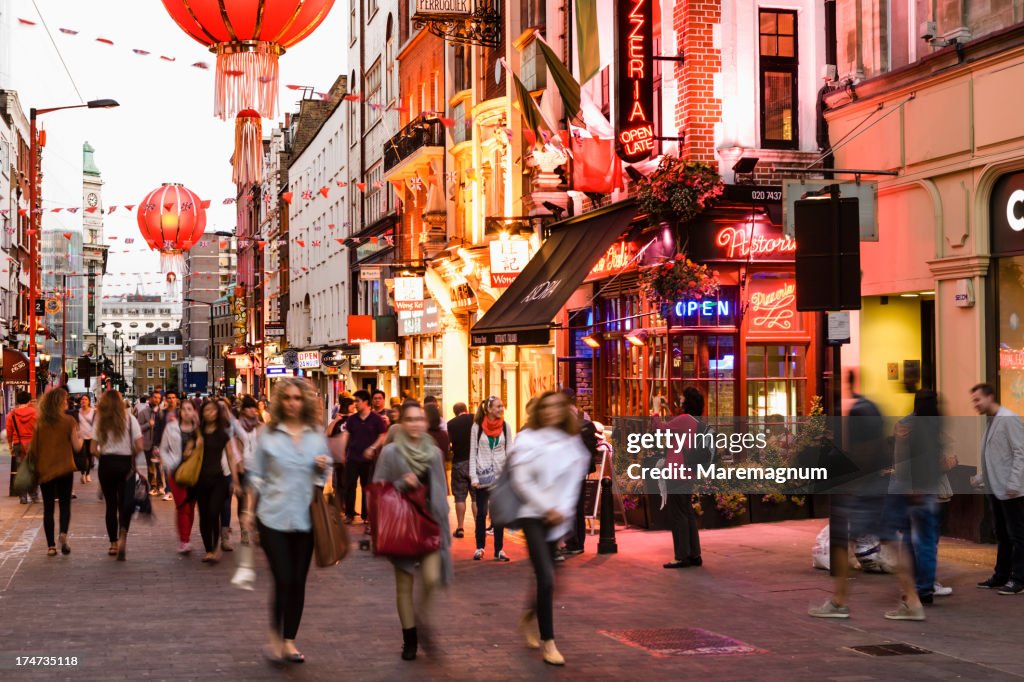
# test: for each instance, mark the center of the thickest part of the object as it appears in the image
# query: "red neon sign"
(740, 244)
(634, 129)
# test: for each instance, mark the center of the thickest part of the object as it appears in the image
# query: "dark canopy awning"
(523, 314)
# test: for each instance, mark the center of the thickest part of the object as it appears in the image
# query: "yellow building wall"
(889, 334)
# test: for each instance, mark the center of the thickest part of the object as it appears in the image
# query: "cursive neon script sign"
(738, 243)
(616, 259)
(774, 309)
(634, 129)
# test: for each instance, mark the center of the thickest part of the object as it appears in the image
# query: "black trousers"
(356, 473)
(59, 489)
(483, 498)
(210, 495)
(113, 470)
(683, 522)
(542, 558)
(289, 555)
(1008, 519)
(578, 536)
(86, 448)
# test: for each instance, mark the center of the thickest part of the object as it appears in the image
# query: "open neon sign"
(634, 74)
(705, 308)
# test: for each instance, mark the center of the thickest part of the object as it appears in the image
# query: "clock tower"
(94, 254)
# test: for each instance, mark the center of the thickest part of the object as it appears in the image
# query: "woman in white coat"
(547, 464)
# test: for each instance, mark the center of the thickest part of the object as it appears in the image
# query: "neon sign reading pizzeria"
(634, 71)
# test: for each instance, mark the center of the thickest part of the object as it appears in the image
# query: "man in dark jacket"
(588, 434)
(460, 433)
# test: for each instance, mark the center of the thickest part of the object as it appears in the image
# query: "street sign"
(839, 327)
(827, 255)
(865, 191)
(277, 371)
(332, 358)
(53, 306)
(40, 307)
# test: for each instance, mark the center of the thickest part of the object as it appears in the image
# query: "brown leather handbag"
(330, 537)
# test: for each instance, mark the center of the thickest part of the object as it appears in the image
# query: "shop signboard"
(621, 257)
(370, 273)
(332, 358)
(634, 74)
(408, 293)
(864, 191)
(462, 296)
(1007, 215)
(378, 354)
(772, 306)
(274, 331)
(309, 359)
(416, 322)
(508, 258)
(277, 371)
(360, 328)
(443, 9)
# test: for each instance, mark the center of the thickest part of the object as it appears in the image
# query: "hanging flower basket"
(679, 189)
(678, 279)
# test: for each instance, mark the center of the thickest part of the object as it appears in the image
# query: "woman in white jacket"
(546, 466)
(490, 440)
(177, 434)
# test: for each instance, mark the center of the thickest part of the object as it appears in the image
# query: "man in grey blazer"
(1002, 474)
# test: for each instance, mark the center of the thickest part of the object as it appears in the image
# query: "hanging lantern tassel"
(248, 158)
(247, 78)
(172, 285)
(172, 262)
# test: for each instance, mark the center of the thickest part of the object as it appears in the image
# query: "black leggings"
(210, 495)
(289, 555)
(541, 556)
(87, 449)
(113, 472)
(59, 489)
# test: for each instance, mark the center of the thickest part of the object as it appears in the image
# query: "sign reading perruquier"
(435, 7)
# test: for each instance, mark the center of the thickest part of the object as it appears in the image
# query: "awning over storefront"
(523, 314)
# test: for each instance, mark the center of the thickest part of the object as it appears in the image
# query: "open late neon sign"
(634, 77)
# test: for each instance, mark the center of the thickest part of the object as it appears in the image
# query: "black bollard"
(606, 544)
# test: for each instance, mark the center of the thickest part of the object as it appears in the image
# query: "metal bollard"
(606, 543)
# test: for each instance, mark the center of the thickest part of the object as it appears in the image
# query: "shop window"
(776, 380)
(1010, 309)
(778, 69)
(708, 362)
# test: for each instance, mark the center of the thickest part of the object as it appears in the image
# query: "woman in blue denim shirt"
(290, 459)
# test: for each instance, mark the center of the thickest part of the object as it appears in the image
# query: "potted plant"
(778, 507)
(676, 279)
(679, 189)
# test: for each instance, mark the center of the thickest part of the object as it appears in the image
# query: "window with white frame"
(149, 372)
(163, 372)
(149, 356)
(371, 90)
(174, 356)
(163, 356)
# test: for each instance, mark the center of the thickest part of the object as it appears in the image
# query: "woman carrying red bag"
(412, 460)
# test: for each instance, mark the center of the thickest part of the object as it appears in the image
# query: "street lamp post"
(209, 345)
(36, 221)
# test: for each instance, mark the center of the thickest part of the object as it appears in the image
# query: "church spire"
(88, 162)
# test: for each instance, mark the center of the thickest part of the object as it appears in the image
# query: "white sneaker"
(478, 555)
(941, 590)
(168, 497)
(184, 548)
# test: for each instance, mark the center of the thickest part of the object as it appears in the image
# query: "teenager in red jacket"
(21, 424)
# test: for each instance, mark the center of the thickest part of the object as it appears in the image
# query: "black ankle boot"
(409, 644)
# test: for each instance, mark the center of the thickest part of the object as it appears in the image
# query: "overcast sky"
(164, 130)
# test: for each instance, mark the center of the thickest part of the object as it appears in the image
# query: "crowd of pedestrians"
(273, 462)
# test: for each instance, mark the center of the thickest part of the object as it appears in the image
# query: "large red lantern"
(247, 36)
(172, 220)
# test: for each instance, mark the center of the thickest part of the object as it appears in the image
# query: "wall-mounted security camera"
(928, 30)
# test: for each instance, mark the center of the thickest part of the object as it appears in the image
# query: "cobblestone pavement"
(162, 616)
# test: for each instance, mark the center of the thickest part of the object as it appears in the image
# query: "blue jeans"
(917, 518)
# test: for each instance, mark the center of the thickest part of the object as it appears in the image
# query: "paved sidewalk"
(161, 616)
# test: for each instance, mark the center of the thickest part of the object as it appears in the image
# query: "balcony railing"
(422, 131)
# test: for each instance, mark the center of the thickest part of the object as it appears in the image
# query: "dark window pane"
(755, 361)
(778, 106)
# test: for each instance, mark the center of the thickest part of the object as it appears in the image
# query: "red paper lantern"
(172, 220)
(247, 36)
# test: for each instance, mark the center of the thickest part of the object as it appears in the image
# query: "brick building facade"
(157, 356)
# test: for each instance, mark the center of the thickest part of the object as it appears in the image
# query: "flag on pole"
(568, 88)
(532, 116)
(587, 39)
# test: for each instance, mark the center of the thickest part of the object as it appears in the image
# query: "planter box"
(767, 512)
(712, 518)
(647, 515)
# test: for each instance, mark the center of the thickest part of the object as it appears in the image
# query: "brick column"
(697, 110)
